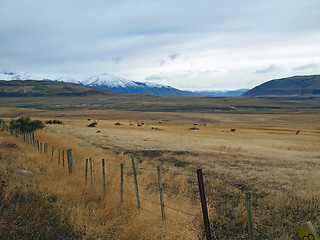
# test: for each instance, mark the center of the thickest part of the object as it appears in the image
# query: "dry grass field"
(264, 155)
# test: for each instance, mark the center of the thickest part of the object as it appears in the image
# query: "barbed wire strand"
(223, 178)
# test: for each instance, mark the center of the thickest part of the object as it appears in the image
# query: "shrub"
(54, 122)
(92, 124)
(24, 124)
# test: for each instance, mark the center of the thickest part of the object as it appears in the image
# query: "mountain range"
(120, 85)
(105, 81)
(291, 88)
(222, 93)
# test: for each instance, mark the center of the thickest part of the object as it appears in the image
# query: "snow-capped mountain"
(103, 81)
(223, 93)
(110, 82)
(39, 76)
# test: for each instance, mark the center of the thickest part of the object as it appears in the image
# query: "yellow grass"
(264, 156)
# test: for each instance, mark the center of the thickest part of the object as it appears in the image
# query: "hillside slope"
(34, 88)
(291, 88)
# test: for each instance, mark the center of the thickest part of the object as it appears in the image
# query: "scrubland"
(264, 156)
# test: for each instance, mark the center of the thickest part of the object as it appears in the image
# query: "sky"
(190, 45)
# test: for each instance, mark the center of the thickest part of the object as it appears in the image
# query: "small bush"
(92, 124)
(54, 122)
(24, 124)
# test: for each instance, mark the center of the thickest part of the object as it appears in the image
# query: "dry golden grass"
(264, 156)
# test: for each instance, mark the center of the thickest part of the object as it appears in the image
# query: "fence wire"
(240, 194)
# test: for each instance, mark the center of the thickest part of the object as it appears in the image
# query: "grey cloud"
(305, 67)
(161, 62)
(208, 73)
(153, 77)
(174, 56)
(269, 69)
(50, 34)
(116, 59)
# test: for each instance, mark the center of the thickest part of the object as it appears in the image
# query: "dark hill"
(292, 88)
(33, 88)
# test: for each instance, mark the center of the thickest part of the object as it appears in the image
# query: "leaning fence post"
(163, 213)
(121, 183)
(135, 180)
(250, 218)
(204, 204)
(103, 178)
(86, 173)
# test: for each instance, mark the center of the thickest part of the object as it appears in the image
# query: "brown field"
(264, 156)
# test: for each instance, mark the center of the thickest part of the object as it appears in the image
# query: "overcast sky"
(185, 44)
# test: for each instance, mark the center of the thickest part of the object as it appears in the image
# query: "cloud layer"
(187, 44)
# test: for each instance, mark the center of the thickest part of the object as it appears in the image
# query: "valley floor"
(276, 157)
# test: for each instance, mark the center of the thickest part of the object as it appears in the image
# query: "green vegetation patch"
(25, 124)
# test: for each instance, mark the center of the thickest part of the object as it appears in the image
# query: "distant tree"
(25, 124)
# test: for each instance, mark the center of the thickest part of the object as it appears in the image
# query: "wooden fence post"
(135, 180)
(91, 175)
(59, 156)
(250, 218)
(103, 179)
(52, 153)
(69, 152)
(204, 204)
(71, 165)
(62, 158)
(163, 213)
(86, 173)
(121, 182)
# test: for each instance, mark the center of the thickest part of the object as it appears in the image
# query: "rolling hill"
(291, 88)
(34, 88)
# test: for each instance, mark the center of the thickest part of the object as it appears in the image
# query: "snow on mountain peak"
(106, 79)
(98, 80)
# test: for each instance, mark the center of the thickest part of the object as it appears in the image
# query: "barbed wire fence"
(234, 213)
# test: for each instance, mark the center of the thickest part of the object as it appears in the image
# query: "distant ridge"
(36, 88)
(291, 88)
(105, 81)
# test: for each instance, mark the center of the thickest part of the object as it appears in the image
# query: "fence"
(247, 210)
